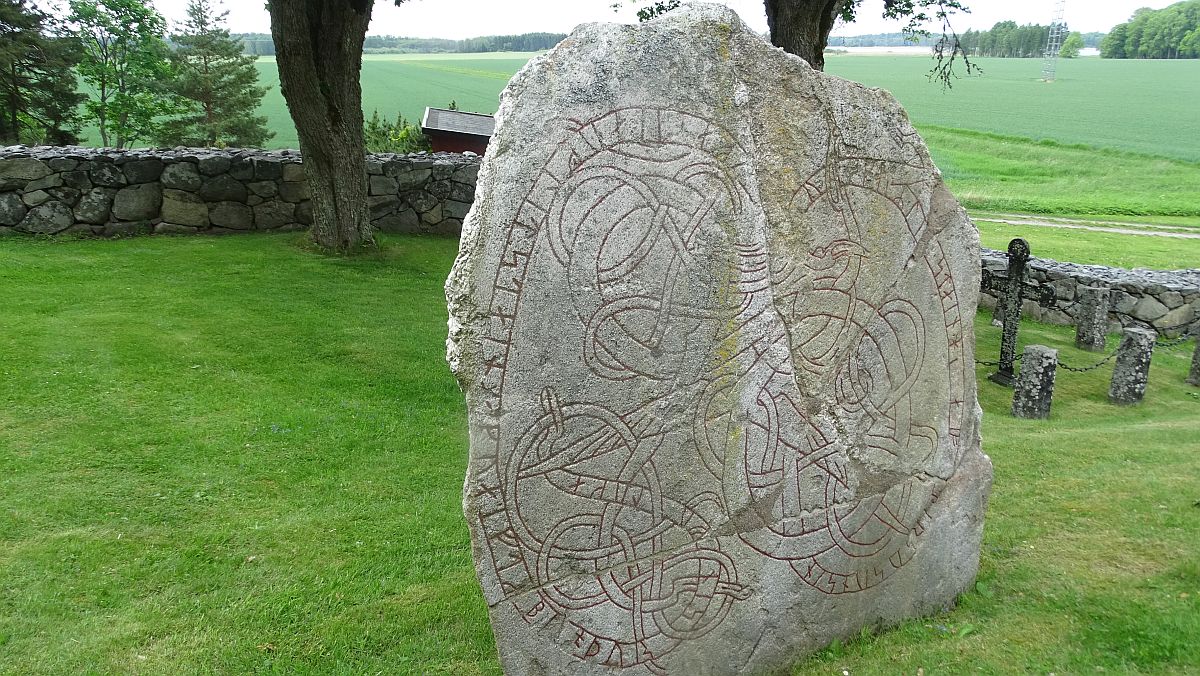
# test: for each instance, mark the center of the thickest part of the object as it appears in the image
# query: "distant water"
(905, 50)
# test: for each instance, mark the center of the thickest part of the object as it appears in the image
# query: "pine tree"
(217, 84)
(37, 81)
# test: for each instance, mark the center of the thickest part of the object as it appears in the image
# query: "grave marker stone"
(1035, 383)
(712, 314)
(1132, 368)
(1194, 375)
(1091, 318)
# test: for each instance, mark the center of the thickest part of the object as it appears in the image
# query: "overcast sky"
(458, 19)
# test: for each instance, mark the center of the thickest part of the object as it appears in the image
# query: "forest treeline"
(260, 44)
(1008, 40)
(1169, 33)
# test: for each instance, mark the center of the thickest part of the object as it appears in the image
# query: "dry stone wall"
(1149, 298)
(105, 192)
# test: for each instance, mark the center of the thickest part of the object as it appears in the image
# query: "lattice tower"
(1058, 31)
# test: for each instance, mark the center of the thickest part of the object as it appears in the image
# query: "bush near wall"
(105, 192)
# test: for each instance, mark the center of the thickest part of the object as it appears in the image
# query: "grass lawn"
(230, 455)
(1096, 248)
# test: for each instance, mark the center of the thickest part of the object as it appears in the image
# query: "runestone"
(712, 314)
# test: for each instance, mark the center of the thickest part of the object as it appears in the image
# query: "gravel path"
(1102, 226)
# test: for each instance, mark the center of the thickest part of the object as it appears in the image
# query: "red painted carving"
(650, 218)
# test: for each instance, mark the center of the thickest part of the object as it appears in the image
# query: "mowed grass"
(1095, 248)
(230, 455)
(1005, 173)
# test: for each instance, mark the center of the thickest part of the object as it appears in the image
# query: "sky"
(458, 19)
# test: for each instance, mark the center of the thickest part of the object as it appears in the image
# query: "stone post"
(1035, 383)
(1091, 318)
(1133, 366)
(1194, 376)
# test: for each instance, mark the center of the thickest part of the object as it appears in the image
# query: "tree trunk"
(801, 27)
(318, 50)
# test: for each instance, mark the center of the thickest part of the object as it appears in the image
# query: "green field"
(1091, 152)
(407, 83)
(1137, 105)
(233, 455)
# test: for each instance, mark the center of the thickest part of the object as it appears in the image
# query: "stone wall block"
(403, 221)
(413, 179)
(420, 200)
(304, 212)
(448, 226)
(442, 170)
(434, 215)
(95, 206)
(440, 189)
(274, 214)
(267, 169)
(66, 195)
(1148, 309)
(32, 199)
(264, 189)
(231, 215)
(12, 209)
(382, 185)
(292, 172)
(242, 169)
(107, 175)
(50, 218)
(60, 164)
(383, 205)
(23, 169)
(467, 174)
(143, 171)
(457, 210)
(462, 192)
(184, 208)
(138, 202)
(223, 188)
(1180, 315)
(182, 176)
(48, 181)
(294, 191)
(77, 179)
(213, 165)
(1172, 299)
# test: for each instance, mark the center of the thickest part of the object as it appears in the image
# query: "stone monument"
(1034, 390)
(1132, 369)
(1091, 318)
(712, 313)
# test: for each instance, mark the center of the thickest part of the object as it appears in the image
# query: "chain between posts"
(1016, 358)
(1093, 367)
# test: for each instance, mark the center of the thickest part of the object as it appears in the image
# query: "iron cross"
(1011, 290)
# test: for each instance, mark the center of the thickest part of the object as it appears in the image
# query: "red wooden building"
(455, 131)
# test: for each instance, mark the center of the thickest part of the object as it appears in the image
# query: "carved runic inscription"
(735, 396)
